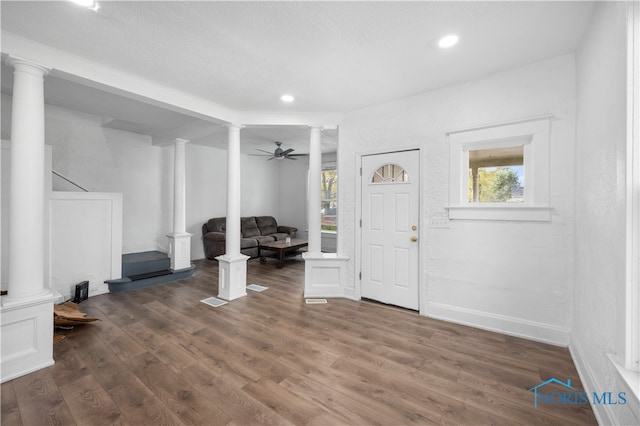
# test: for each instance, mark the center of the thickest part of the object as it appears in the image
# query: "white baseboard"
(606, 414)
(532, 330)
(602, 413)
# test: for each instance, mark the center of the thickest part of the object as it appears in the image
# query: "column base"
(27, 336)
(325, 275)
(180, 251)
(232, 276)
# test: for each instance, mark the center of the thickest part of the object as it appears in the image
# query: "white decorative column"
(27, 309)
(232, 271)
(314, 196)
(324, 273)
(179, 240)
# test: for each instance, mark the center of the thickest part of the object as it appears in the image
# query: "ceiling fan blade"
(260, 155)
(287, 152)
(290, 158)
(297, 155)
(269, 159)
(262, 150)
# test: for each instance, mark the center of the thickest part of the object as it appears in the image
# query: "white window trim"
(534, 133)
(632, 326)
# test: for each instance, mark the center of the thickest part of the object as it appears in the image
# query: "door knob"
(414, 227)
(414, 239)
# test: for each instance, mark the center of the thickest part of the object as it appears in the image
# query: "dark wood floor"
(159, 356)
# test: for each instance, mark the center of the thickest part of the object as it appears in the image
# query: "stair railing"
(60, 175)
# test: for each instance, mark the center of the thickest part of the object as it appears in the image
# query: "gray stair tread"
(144, 256)
(116, 286)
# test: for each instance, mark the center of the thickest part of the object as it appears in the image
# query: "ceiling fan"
(279, 153)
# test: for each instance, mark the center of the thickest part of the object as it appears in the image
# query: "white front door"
(390, 228)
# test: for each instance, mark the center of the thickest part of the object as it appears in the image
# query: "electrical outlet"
(439, 222)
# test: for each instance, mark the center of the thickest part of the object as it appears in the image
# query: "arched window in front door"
(390, 173)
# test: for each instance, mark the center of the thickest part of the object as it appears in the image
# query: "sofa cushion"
(249, 227)
(267, 225)
(280, 236)
(264, 238)
(218, 224)
(248, 243)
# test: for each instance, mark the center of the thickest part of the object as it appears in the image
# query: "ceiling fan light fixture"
(287, 98)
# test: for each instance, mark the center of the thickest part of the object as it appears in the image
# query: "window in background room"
(329, 199)
(496, 175)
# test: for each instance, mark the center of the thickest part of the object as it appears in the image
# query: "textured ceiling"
(333, 56)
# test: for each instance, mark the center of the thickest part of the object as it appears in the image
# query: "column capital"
(234, 126)
(21, 64)
(182, 141)
(315, 127)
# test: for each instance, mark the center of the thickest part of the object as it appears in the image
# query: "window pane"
(329, 199)
(496, 175)
(390, 173)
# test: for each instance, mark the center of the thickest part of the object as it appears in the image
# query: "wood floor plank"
(179, 320)
(40, 400)
(172, 355)
(161, 357)
(10, 409)
(187, 403)
(90, 404)
(350, 411)
(242, 407)
(289, 405)
(138, 404)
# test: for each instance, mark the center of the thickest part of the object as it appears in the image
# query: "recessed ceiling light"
(448, 41)
(89, 4)
(287, 98)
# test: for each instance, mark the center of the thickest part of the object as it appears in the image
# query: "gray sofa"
(253, 229)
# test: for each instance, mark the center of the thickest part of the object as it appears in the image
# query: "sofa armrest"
(291, 230)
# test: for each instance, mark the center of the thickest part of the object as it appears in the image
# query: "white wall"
(107, 160)
(85, 241)
(598, 328)
(292, 198)
(514, 277)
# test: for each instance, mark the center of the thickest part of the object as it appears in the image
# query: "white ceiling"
(332, 56)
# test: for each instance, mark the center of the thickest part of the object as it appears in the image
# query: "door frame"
(421, 222)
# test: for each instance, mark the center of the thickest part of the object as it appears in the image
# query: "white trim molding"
(532, 330)
(631, 360)
(533, 134)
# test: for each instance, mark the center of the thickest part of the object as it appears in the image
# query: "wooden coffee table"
(282, 249)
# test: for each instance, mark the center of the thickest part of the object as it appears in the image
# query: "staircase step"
(144, 262)
(125, 284)
(149, 275)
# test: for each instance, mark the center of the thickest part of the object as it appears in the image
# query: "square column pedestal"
(26, 327)
(180, 251)
(325, 275)
(232, 276)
